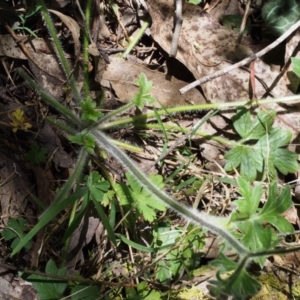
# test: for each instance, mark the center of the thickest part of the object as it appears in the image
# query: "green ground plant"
(262, 149)
(280, 15)
(24, 18)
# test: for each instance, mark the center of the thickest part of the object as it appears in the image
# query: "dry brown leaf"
(80, 238)
(219, 8)
(44, 64)
(73, 27)
(15, 189)
(51, 141)
(206, 47)
(53, 84)
(122, 74)
(13, 287)
(292, 215)
(9, 48)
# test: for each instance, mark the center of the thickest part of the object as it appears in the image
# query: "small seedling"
(19, 121)
(134, 195)
(36, 155)
(32, 11)
(14, 231)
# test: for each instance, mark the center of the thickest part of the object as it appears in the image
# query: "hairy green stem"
(137, 37)
(189, 108)
(50, 213)
(61, 126)
(82, 157)
(185, 130)
(127, 147)
(86, 88)
(213, 224)
(60, 52)
(115, 112)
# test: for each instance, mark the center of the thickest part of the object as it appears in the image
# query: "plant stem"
(115, 112)
(86, 88)
(185, 130)
(60, 52)
(180, 109)
(213, 224)
(136, 38)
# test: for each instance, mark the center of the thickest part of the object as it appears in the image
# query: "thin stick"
(178, 25)
(242, 62)
(244, 22)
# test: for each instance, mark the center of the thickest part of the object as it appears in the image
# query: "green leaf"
(251, 222)
(251, 197)
(96, 186)
(267, 154)
(233, 22)
(164, 239)
(147, 293)
(89, 111)
(105, 222)
(146, 204)
(296, 65)
(274, 156)
(238, 286)
(48, 216)
(277, 203)
(143, 97)
(85, 139)
(165, 270)
(84, 292)
(276, 138)
(15, 231)
(36, 154)
(135, 245)
(108, 197)
(186, 254)
(249, 160)
(286, 161)
(196, 2)
(253, 130)
(280, 15)
(49, 288)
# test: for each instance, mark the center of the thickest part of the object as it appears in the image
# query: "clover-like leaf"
(146, 204)
(15, 232)
(253, 130)
(36, 154)
(274, 156)
(97, 187)
(267, 154)
(89, 111)
(249, 160)
(50, 288)
(143, 97)
(254, 224)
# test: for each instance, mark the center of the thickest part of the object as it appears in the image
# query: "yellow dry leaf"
(19, 121)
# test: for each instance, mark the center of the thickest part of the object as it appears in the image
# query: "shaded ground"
(36, 158)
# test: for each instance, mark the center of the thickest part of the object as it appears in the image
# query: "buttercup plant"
(87, 131)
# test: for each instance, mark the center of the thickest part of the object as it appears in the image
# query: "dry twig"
(242, 62)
